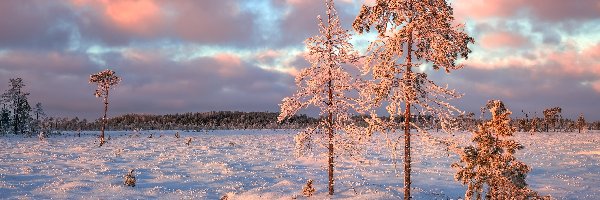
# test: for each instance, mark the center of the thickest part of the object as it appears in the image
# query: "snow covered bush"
(581, 125)
(42, 135)
(489, 167)
(188, 141)
(130, 179)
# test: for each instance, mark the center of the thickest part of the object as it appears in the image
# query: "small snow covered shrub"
(308, 189)
(489, 167)
(581, 123)
(42, 135)
(227, 196)
(130, 179)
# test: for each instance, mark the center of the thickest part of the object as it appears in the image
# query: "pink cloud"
(142, 17)
(502, 39)
(199, 21)
(540, 9)
(596, 86)
(229, 65)
(578, 62)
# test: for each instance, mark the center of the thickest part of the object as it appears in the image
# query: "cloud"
(122, 22)
(299, 21)
(543, 10)
(185, 56)
(29, 24)
(138, 17)
(503, 39)
(528, 89)
(152, 83)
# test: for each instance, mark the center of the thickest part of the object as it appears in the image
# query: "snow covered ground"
(260, 164)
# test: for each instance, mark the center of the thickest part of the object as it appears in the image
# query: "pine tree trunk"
(104, 120)
(330, 134)
(330, 96)
(330, 147)
(16, 125)
(407, 161)
(407, 168)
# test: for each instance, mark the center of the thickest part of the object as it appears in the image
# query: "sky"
(209, 55)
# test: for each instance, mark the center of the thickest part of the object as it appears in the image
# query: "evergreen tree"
(105, 80)
(39, 115)
(551, 116)
(412, 34)
(489, 167)
(4, 119)
(326, 84)
(18, 103)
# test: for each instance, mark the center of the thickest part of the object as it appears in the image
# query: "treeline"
(214, 120)
(221, 120)
(550, 121)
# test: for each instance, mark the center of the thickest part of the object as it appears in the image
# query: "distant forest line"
(223, 120)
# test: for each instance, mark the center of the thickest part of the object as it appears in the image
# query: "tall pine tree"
(326, 84)
(412, 34)
(104, 80)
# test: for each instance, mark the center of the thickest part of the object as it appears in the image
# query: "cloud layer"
(188, 56)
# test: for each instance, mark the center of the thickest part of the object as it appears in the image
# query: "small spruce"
(308, 189)
(489, 167)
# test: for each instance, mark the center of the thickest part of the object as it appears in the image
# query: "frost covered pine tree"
(413, 35)
(104, 80)
(551, 116)
(326, 84)
(489, 167)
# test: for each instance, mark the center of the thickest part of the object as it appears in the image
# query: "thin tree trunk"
(407, 168)
(330, 98)
(330, 134)
(16, 125)
(104, 120)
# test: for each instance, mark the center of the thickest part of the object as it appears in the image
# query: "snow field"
(260, 164)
